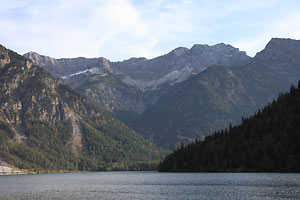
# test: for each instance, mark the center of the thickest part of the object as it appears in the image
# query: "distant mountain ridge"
(197, 58)
(149, 79)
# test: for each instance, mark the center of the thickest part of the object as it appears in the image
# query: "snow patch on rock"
(176, 76)
(94, 70)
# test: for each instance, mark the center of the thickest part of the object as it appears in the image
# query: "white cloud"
(73, 28)
(119, 29)
(279, 28)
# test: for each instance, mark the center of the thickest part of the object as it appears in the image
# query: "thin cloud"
(120, 29)
(280, 28)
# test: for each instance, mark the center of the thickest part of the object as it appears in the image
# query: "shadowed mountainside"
(268, 141)
(221, 95)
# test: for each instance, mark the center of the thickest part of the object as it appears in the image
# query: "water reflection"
(146, 185)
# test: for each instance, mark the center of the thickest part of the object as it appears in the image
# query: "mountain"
(62, 68)
(129, 87)
(220, 95)
(178, 65)
(187, 93)
(45, 125)
(108, 91)
(268, 141)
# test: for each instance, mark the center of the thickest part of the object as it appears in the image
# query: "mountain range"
(221, 95)
(135, 84)
(185, 94)
(46, 125)
(90, 114)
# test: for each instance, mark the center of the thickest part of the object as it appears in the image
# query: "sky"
(120, 29)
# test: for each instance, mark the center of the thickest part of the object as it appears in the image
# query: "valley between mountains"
(91, 114)
(185, 94)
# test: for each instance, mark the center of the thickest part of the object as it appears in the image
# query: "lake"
(151, 185)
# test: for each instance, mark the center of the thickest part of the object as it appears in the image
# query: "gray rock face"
(138, 82)
(27, 92)
(178, 65)
(4, 59)
(46, 125)
(66, 66)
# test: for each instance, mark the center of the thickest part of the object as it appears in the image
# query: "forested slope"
(269, 141)
(45, 125)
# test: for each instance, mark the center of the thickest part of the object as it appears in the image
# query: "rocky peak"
(137, 79)
(283, 42)
(4, 57)
(133, 60)
(65, 67)
(106, 64)
(280, 49)
(40, 59)
(180, 51)
(220, 48)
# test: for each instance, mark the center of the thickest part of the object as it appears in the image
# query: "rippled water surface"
(151, 185)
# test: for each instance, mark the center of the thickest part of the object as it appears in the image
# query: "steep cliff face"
(23, 86)
(47, 125)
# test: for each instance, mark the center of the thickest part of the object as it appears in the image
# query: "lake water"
(151, 185)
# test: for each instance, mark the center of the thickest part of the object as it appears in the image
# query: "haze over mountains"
(185, 94)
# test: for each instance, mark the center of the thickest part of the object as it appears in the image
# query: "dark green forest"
(268, 141)
(47, 149)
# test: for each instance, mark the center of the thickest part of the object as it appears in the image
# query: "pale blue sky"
(120, 29)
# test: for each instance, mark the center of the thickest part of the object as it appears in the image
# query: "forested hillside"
(269, 141)
(45, 125)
